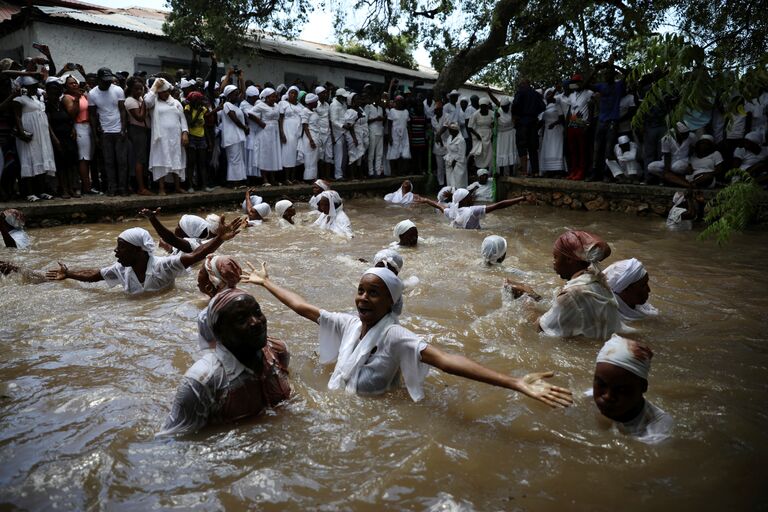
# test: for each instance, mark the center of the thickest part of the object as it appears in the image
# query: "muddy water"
(88, 375)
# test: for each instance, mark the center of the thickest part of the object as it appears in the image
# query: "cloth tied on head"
(251, 91)
(140, 238)
(623, 139)
(453, 93)
(678, 198)
(493, 248)
(195, 96)
(628, 354)
(311, 98)
(485, 101)
(389, 257)
(463, 98)
(453, 126)
(682, 127)
(482, 172)
(228, 90)
(394, 285)
(282, 206)
(266, 93)
(213, 221)
(281, 88)
(706, 137)
(15, 218)
(54, 80)
(161, 85)
(319, 90)
(755, 137)
(222, 299)
(582, 246)
(623, 273)
(342, 92)
(323, 184)
(26, 81)
(184, 83)
(402, 227)
(263, 209)
(193, 225)
(222, 269)
(458, 196)
(334, 202)
(294, 88)
(351, 96)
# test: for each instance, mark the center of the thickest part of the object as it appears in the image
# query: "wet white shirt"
(20, 237)
(651, 426)
(161, 273)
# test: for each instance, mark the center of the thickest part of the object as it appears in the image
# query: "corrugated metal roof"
(7, 11)
(115, 18)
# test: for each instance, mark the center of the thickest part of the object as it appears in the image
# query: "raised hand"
(533, 385)
(228, 231)
(256, 276)
(59, 274)
(146, 212)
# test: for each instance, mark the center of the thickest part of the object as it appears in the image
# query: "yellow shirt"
(197, 126)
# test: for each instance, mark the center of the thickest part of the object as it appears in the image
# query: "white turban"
(311, 98)
(623, 139)
(55, 80)
(160, 85)
(228, 90)
(485, 101)
(334, 202)
(281, 88)
(26, 81)
(263, 209)
(323, 184)
(282, 206)
(389, 257)
(458, 195)
(193, 225)
(453, 126)
(214, 221)
(394, 285)
(342, 92)
(402, 227)
(755, 137)
(682, 127)
(184, 83)
(266, 93)
(252, 91)
(453, 93)
(623, 273)
(140, 238)
(463, 98)
(678, 198)
(482, 172)
(294, 88)
(627, 354)
(319, 90)
(493, 248)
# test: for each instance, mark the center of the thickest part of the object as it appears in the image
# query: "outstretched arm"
(226, 232)
(293, 300)
(423, 200)
(165, 234)
(90, 275)
(504, 204)
(532, 385)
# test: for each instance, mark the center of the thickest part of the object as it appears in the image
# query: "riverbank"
(57, 212)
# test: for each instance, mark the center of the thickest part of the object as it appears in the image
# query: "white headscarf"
(228, 90)
(402, 227)
(394, 285)
(265, 93)
(397, 197)
(214, 221)
(627, 354)
(251, 91)
(621, 275)
(482, 172)
(323, 184)
(493, 248)
(458, 195)
(254, 201)
(140, 238)
(282, 206)
(294, 88)
(184, 83)
(311, 98)
(678, 198)
(160, 85)
(334, 199)
(389, 257)
(319, 90)
(336, 220)
(263, 209)
(445, 190)
(193, 225)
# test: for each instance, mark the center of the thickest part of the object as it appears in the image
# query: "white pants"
(338, 157)
(617, 168)
(677, 167)
(375, 154)
(440, 169)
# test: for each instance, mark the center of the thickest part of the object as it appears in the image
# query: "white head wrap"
(323, 184)
(26, 81)
(678, 198)
(266, 93)
(193, 225)
(160, 85)
(453, 126)
(184, 83)
(294, 88)
(458, 195)
(263, 209)
(281, 207)
(394, 285)
(623, 273)
(281, 88)
(334, 202)
(319, 90)
(453, 93)
(55, 80)
(493, 248)
(755, 137)
(342, 92)
(140, 238)
(485, 101)
(463, 98)
(623, 139)
(682, 127)
(251, 91)
(402, 227)
(228, 90)
(311, 98)
(389, 257)
(627, 354)
(214, 221)
(482, 172)
(443, 191)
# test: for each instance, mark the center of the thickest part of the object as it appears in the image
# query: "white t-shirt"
(20, 237)
(161, 273)
(748, 158)
(377, 127)
(705, 164)
(651, 426)
(106, 103)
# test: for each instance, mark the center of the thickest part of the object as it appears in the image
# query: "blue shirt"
(610, 96)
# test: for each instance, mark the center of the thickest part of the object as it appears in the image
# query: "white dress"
(233, 142)
(482, 149)
(506, 149)
(35, 156)
(359, 123)
(251, 141)
(292, 130)
(456, 173)
(166, 154)
(551, 153)
(401, 145)
(307, 155)
(270, 149)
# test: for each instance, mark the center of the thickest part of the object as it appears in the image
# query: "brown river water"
(88, 375)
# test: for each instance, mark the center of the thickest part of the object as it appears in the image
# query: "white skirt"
(84, 142)
(270, 151)
(506, 149)
(235, 161)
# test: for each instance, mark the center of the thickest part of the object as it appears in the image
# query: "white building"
(133, 40)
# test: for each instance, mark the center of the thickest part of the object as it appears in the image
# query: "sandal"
(32, 198)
